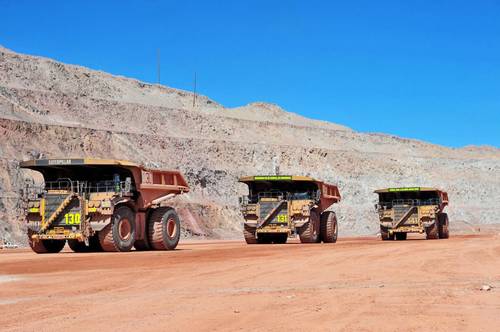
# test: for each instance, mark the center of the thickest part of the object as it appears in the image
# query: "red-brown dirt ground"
(357, 284)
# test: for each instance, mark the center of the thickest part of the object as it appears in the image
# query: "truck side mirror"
(128, 184)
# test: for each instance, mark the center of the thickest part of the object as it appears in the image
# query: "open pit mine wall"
(54, 110)
(212, 168)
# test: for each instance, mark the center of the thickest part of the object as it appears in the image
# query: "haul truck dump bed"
(412, 210)
(97, 204)
(278, 206)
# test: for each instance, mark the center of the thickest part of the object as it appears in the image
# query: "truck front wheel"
(120, 234)
(384, 234)
(249, 234)
(432, 232)
(309, 233)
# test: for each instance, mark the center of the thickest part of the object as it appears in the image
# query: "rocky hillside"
(56, 110)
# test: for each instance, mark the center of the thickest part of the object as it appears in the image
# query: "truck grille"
(266, 207)
(399, 211)
(53, 201)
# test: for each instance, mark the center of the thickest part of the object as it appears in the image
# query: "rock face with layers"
(53, 110)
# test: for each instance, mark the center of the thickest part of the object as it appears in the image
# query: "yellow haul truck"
(412, 210)
(102, 205)
(279, 206)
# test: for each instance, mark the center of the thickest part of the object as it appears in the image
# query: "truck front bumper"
(58, 236)
(273, 230)
(408, 228)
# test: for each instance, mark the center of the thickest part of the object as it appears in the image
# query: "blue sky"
(428, 70)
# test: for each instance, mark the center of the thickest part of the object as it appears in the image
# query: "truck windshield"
(288, 190)
(413, 198)
(87, 178)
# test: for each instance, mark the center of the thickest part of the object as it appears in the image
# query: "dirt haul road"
(357, 284)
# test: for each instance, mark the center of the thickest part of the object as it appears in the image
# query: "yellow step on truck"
(101, 205)
(279, 206)
(412, 210)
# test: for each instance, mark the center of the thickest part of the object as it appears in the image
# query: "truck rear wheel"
(384, 234)
(164, 229)
(309, 233)
(401, 236)
(443, 226)
(46, 246)
(249, 234)
(432, 232)
(329, 229)
(120, 234)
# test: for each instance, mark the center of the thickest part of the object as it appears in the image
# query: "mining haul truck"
(281, 206)
(412, 210)
(102, 205)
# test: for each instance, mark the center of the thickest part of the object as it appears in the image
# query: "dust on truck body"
(280, 206)
(102, 205)
(412, 210)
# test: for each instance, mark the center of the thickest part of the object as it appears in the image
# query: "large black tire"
(401, 236)
(432, 232)
(384, 234)
(119, 235)
(46, 246)
(249, 234)
(309, 233)
(78, 246)
(164, 229)
(444, 233)
(329, 229)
